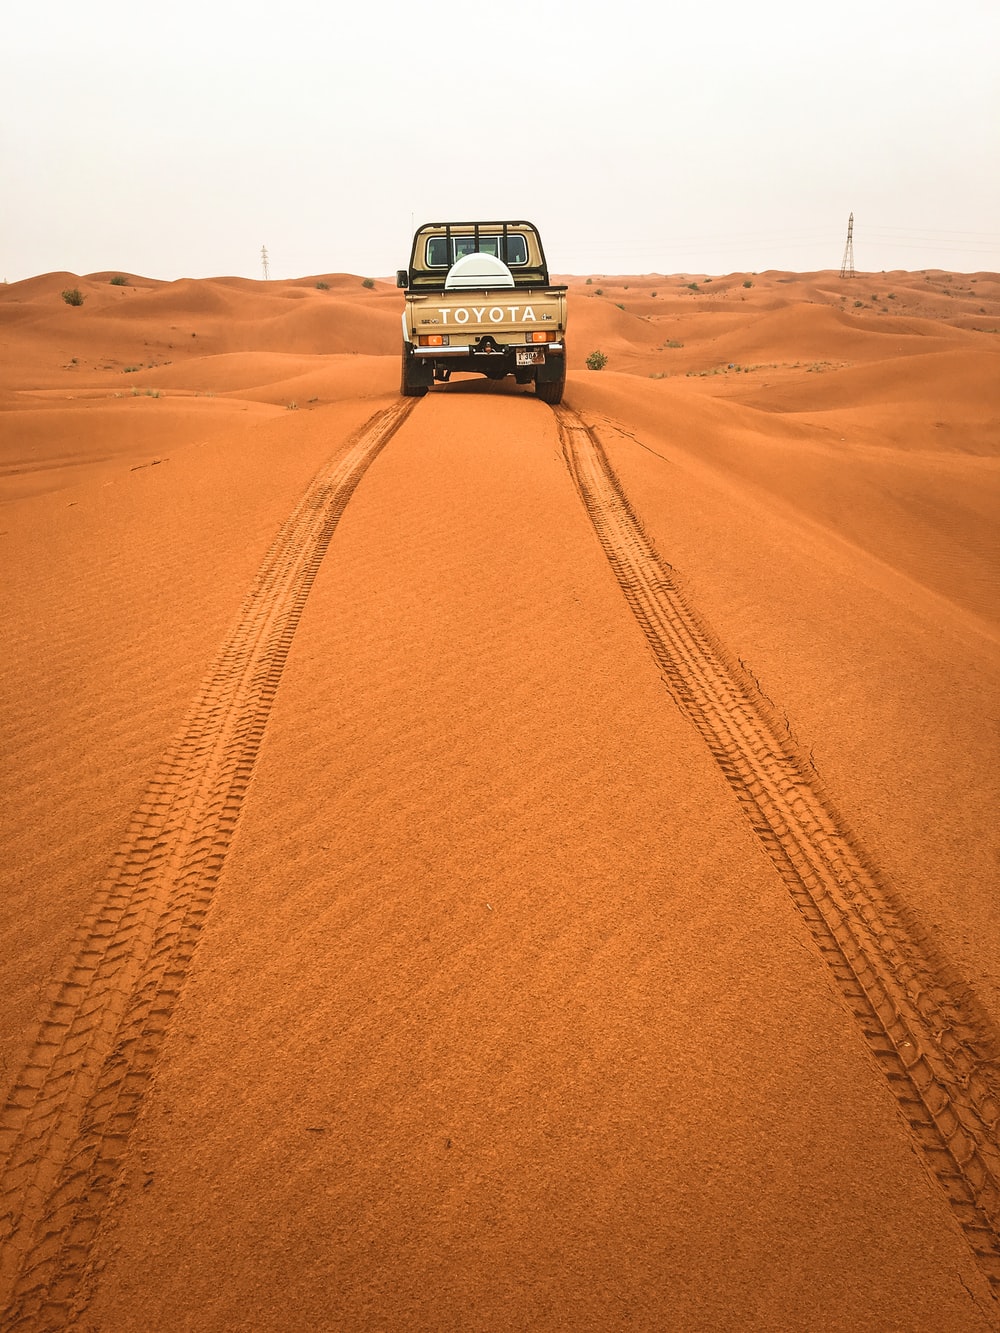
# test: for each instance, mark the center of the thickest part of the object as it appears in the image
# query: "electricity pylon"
(847, 267)
(263, 259)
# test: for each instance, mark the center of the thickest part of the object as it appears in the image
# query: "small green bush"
(596, 361)
(589, 281)
(73, 296)
(368, 282)
(322, 286)
(598, 291)
(748, 283)
(692, 286)
(119, 281)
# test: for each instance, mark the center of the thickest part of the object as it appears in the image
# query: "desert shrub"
(119, 280)
(596, 361)
(692, 286)
(619, 305)
(858, 303)
(368, 282)
(589, 281)
(598, 291)
(73, 296)
(748, 283)
(652, 293)
(322, 286)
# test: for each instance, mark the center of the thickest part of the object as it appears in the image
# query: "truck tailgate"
(474, 313)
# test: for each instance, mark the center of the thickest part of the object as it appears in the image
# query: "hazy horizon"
(176, 144)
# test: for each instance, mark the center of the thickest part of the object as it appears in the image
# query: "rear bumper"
(508, 349)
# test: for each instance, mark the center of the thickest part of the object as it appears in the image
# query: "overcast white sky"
(175, 140)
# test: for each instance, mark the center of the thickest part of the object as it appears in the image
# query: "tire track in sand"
(65, 1126)
(935, 1052)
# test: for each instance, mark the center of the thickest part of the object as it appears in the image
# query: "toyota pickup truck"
(478, 299)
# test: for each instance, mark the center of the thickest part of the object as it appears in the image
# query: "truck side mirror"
(402, 278)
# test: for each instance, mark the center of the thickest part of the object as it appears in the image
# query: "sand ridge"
(497, 1003)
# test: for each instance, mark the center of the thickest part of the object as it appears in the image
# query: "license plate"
(529, 357)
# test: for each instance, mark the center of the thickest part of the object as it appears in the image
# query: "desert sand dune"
(959, 381)
(415, 961)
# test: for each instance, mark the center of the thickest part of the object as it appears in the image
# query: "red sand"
(500, 1016)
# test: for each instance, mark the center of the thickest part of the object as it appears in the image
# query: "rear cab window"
(436, 254)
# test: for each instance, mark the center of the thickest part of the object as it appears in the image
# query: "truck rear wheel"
(407, 387)
(551, 391)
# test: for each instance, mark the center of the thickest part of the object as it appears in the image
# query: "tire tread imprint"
(66, 1121)
(937, 1053)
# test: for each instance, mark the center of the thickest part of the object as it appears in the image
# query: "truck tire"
(407, 388)
(551, 391)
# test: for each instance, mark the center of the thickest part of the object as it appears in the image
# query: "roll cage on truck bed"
(478, 298)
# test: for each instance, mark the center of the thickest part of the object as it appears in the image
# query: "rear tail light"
(541, 336)
(432, 340)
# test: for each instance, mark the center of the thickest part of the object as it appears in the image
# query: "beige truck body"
(478, 298)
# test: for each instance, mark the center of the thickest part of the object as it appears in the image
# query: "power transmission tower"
(847, 267)
(263, 258)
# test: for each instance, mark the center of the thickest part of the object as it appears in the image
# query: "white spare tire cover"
(478, 270)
